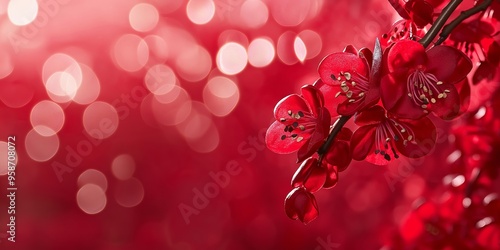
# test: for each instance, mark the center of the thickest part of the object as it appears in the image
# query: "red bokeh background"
(132, 189)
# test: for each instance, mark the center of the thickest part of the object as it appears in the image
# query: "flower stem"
(337, 126)
(463, 15)
(439, 23)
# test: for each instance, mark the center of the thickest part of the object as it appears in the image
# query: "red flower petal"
(405, 55)
(318, 136)
(362, 142)
(421, 12)
(349, 108)
(314, 98)
(345, 134)
(332, 176)
(367, 55)
(407, 109)
(350, 49)
(472, 32)
(449, 107)
(370, 116)
(392, 90)
(485, 72)
(311, 175)
(398, 6)
(292, 103)
(275, 142)
(339, 155)
(329, 92)
(335, 63)
(448, 64)
(301, 205)
(424, 136)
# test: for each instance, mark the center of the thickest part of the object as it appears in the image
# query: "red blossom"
(416, 82)
(402, 30)
(310, 175)
(419, 12)
(314, 174)
(332, 175)
(302, 123)
(339, 155)
(355, 76)
(301, 204)
(383, 137)
(476, 40)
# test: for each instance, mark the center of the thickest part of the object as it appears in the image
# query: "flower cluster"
(394, 93)
(464, 212)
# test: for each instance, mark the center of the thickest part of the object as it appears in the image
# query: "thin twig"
(336, 129)
(439, 23)
(463, 15)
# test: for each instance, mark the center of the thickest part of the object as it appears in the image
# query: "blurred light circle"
(458, 180)
(312, 42)
(232, 58)
(167, 6)
(62, 63)
(123, 167)
(171, 95)
(89, 89)
(290, 12)
(194, 64)
(200, 11)
(206, 143)
(61, 87)
(199, 131)
(221, 95)
(195, 126)
(231, 35)
(160, 79)
(4, 161)
(15, 94)
(300, 49)
(47, 118)
(316, 6)
(143, 17)
(157, 47)
(179, 39)
(22, 12)
(173, 112)
(41, 148)
(197, 123)
(91, 199)
(146, 109)
(286, 48)
(480, 113)
(254, 13)
(6, 65)
(261, 52)
(129, 193)
(93, 176)
(100, 120)
(130, 52)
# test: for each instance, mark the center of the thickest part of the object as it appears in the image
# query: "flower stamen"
(423, 90)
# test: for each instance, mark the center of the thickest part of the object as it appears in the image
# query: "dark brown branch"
(339, 124)
(464, 15)
(439, 23)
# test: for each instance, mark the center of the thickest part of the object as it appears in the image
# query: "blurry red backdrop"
(140, 125)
